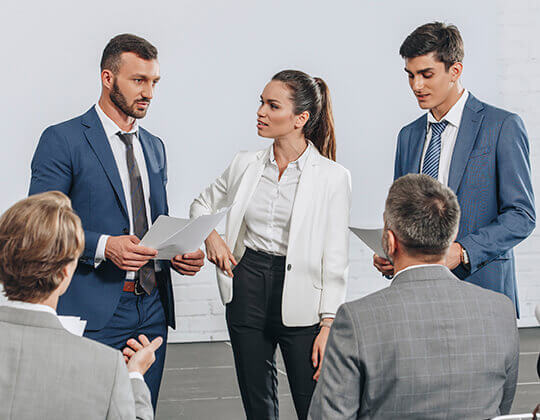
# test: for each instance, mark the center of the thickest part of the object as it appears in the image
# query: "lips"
(422, 96)
(261, 124)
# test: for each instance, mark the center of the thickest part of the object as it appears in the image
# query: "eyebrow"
(142, 76)
(419, 71)
(275, 101)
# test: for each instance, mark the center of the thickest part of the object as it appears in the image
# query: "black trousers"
(256, 328)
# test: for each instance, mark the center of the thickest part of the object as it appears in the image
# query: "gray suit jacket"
(49, 373)
(430, 346)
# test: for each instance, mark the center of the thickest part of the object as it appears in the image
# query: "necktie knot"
(127, 138)
(438, 127)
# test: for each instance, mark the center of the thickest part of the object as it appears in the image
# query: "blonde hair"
(39, 236)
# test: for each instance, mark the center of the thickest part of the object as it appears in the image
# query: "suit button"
(125, 231)
(289, 267)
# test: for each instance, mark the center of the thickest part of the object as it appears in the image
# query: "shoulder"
(243, 158)
(336, 171)
(420, 122)
(492, 114)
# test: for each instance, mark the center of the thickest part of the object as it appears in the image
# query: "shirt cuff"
(100, 250)
(327, 315)
(136, 375)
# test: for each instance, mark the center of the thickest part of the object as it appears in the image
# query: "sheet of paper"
(74, 324)
(372, 238)
(172, 236)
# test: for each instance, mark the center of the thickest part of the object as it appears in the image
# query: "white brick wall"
(200, 317)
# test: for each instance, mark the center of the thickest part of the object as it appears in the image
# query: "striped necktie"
(433, 153)
(146, 274)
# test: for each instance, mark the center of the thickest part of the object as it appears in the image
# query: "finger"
(189, 262)
(143, 250)
(315, 355)
(187, 267)
(132, 256)
(156, 343)
(317, 374)
(126, 360)
(127, 352)
(134, 344)
(134, 239)
(232, 259)
(144, 340)
(197, 255)
(228, 268)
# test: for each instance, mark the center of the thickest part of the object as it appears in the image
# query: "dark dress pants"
(256, 328)
(136, 315)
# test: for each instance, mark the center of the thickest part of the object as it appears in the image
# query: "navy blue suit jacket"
(75, 157)
(491, 176)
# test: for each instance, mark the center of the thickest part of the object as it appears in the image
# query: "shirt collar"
(411, 267)
(110, 127)
(29, 306)
(453, 116)
(300, 162)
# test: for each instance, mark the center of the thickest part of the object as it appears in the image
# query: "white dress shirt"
(44, 308)
(268, 215)
(448, 136)
(118, 148)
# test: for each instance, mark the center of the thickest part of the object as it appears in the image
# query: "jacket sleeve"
(338, 393)
(335, 259)
(52, 170)
(130, 399)
(214, 196)
(398, 164)
(516, 217)
(512, 366)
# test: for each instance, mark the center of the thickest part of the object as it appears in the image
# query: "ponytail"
(312, 94)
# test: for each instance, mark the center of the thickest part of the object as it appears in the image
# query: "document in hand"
(372, 238)
(172, 236)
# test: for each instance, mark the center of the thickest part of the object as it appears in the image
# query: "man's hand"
(453, 258)
(126, 253)
(383, 265)
(188, 264)
(139, 356)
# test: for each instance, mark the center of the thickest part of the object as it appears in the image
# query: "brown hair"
(126, 43)
(444, 40)
(312, 94)
(38, 237)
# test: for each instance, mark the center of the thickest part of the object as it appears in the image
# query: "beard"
(118, 98)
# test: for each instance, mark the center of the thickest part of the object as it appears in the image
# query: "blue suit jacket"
(75, 157)
(491, 176)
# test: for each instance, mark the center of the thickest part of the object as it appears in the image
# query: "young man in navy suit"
(479, 151)
(115, 173)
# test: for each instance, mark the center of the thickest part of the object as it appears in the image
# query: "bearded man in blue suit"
(479, 151)
(115, 173)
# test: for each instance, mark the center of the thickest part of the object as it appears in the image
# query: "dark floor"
(200, 384)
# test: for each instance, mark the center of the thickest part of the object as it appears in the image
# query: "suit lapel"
(471, 121)
(305, 192)
(418, 139)
(154, 177)
(245, 191)
(95, 134)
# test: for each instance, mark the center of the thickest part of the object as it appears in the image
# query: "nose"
(261, 112)
(417, 83)
(148, 91)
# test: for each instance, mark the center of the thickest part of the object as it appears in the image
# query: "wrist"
(326, 323)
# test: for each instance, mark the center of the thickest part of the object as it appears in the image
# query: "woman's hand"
(219, 253)
(319, 346)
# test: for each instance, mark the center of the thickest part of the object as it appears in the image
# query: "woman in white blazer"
(287, 238)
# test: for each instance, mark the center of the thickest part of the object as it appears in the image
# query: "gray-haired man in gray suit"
(47, 372)
(430, 346)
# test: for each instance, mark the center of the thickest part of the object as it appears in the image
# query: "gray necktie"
(147, 275)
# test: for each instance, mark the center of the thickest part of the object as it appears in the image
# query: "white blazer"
(317, 262)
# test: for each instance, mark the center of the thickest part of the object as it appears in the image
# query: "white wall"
(215, 60)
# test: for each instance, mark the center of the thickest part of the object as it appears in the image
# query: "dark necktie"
(433, 153)
(147, 275)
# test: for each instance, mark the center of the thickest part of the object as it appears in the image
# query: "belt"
(134, 287)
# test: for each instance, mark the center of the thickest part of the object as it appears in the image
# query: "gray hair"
(422, 213)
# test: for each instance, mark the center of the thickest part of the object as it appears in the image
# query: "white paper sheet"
(172, 236)
(74, 324)
(372, 238)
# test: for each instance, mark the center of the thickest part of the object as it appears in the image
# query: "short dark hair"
(110, 59)
(423, 214)
(444, 40)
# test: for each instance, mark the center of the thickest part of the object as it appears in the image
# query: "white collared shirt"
(44, 308)
(448, 136)
(268, 215)
(119, 151)
(415, 266)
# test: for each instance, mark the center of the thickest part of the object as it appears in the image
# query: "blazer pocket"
(480, 152)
